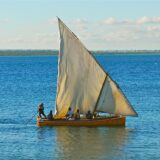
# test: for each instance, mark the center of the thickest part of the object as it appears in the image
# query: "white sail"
(80, 78)
(113, 101)
(82, 82)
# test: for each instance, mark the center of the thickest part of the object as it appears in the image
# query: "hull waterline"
(111, 121)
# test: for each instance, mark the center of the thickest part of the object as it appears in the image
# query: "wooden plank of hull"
(113, 121)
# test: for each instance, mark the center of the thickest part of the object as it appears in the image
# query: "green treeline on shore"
(27, 52)
(55, 52)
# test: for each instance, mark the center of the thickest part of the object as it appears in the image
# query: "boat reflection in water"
(91, 143)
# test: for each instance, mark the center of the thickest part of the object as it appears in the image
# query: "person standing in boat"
(69, 114)
(41, 110)
(77, 115)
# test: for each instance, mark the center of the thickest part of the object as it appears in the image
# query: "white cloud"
(4, 21)
(113, 34)
(113, 21)
(44, 35)
(81, 24)
(16, 40)
(53, 21)
(145, 20)
(153, 28)
(110, 21)
(46, 39)
(38, 39)
(123, 35)
(139, 21)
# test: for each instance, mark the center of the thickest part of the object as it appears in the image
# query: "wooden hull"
(110, 121)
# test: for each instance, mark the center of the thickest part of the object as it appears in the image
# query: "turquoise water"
(27, 81)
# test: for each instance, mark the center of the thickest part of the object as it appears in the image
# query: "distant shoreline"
(55, 52)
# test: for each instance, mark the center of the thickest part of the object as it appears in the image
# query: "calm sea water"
(27, 81)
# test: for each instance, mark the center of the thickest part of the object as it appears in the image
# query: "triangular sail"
(113, 101)
(82, 82)
(80, 78)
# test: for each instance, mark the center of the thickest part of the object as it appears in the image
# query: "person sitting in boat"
(50, 115)
(77, 115)
(69, 114)
(41, 110)
(89, 115)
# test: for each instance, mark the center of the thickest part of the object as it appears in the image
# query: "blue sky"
(100, 24)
